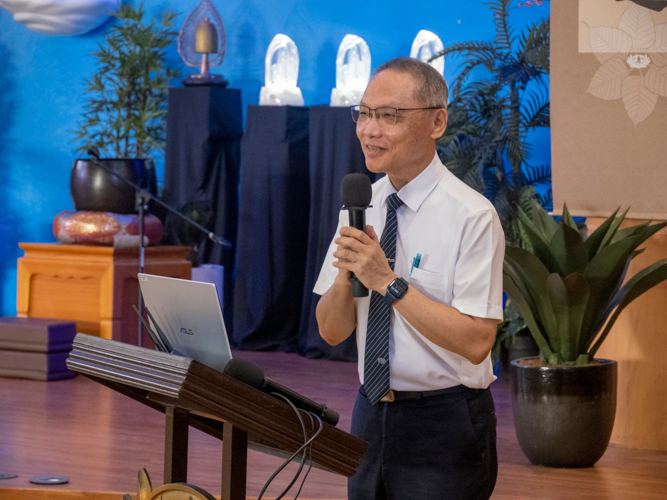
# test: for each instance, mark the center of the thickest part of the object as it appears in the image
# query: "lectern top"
(158, 379)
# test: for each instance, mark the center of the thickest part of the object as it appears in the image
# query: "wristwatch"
(395, 290)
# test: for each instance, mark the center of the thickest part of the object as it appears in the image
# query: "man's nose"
(372, 127)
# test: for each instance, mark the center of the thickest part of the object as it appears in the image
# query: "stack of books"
(35, 348)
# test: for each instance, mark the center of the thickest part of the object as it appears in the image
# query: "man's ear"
(439, 123)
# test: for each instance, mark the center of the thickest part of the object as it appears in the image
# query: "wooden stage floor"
(100, 439)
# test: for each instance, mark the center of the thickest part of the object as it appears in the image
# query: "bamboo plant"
(125, 115)
(571, 290)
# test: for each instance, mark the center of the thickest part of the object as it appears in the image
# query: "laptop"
(188, 315)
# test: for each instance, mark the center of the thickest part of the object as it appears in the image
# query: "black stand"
(143, 197)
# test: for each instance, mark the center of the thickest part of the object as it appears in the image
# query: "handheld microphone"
(251, 374)
(356, 194)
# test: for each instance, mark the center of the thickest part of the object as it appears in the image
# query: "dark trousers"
(441, 448)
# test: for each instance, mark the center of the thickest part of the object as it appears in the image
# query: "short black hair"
(432, 90)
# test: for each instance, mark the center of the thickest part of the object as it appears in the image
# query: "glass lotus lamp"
(425, 45)
(281, 73)
(203, 33)
(353, 70)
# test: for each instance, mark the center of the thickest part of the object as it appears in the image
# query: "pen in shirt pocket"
(415, 262)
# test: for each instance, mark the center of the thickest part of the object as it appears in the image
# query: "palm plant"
(570, 290)
(486, 142)
(125, 116)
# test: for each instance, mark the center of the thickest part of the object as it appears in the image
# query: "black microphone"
(251, 374)
(356, 194)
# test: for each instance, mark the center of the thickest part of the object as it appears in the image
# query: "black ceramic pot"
(96, 190)
(564, 415)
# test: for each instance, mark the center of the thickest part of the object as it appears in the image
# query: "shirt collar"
(415, 192)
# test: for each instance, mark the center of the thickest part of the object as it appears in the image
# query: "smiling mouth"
(374, 149)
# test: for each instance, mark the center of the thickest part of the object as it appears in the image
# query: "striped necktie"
(376, 357)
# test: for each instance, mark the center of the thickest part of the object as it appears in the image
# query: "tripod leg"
(176, 445)
(234, 462)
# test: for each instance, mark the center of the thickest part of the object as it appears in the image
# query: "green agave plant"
(570, 290)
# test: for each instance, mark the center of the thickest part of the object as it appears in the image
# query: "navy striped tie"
(376, 356)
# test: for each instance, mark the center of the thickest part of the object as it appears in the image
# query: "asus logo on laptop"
(186, 331)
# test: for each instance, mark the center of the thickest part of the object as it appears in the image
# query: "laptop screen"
(188, 313)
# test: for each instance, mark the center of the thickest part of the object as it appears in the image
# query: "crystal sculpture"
(425, 46)
(281, 73)
(353, 70)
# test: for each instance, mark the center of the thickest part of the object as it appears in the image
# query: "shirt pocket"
(433, 285)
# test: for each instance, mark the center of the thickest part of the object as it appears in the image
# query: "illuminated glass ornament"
(353, 70)
(425, 46)
(281, 73)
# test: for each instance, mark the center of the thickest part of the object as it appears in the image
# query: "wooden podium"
(190, 393)
(94, 286)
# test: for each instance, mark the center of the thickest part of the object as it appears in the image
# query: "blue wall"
(42, 85)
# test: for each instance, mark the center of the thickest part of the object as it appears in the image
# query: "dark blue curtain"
(334, 152)
(203, 153)
(273, 229)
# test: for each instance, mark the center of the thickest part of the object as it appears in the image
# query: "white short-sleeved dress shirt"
(458, 234)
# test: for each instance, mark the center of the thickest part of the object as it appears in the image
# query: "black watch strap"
(395, 290)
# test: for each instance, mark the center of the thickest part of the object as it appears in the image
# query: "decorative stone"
(353, 71)
(281, 73)
(105, 228)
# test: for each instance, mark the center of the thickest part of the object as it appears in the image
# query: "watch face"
(398, 287)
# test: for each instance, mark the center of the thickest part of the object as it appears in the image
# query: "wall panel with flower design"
(609, 106)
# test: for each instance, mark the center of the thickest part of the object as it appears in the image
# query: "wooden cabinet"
(94, 286)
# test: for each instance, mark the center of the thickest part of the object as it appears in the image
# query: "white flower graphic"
(634, 62)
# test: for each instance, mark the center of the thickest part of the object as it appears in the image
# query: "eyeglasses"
(361, 115)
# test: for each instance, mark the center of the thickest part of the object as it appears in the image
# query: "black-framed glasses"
(385, 115)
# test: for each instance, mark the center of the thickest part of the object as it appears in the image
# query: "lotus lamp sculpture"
(203, 33)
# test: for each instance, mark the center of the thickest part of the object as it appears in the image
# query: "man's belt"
(397, 396)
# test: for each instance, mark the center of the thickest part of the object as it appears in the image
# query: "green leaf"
(531, 272)
(568, 251)
(516, 293)
(539, 244)
(612, 230)
(568, 298)
(567, 218)
(640, 283)
(594, 241)
(603, 275)
(544, 222)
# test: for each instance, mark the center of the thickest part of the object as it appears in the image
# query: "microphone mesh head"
(246, 372)
(356, 190)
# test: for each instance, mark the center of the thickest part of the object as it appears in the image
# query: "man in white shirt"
(424, 334)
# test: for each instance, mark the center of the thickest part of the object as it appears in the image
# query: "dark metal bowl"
(94, 189)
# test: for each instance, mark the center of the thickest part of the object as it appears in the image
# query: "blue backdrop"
(42, 86)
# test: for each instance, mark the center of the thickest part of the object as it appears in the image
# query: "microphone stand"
(142, 199)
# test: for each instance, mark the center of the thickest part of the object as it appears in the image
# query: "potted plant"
(125, 115)
(570, 291)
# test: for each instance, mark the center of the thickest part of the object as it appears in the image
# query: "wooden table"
(94, 286)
